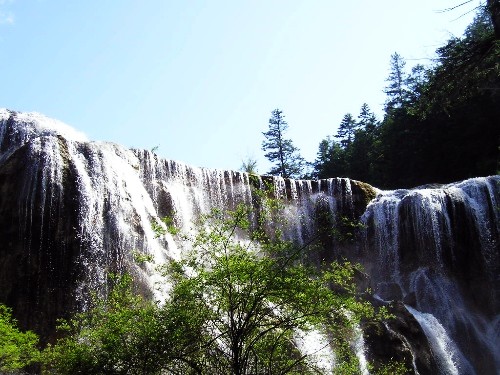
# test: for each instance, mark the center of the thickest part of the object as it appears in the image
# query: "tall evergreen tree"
(366, 118)
(361, 153)
(396, 89)
(286, 158)
(493, 7)
(331, 160)
(416, 82)
(441, 122)
(346, 130)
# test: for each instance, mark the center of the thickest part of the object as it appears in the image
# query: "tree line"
(441, 123)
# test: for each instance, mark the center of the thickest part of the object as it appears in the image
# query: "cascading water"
(72, 210)
(438, 250)
(450, 359)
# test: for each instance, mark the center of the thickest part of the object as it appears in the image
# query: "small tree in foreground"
(119, 335)
(17, 349)
(240, 301)
(255, 297)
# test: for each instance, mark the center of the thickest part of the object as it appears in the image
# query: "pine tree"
(286, 158)
(396, 89)
(493, 7)
(366, 118)
(416, 82)
(346, 130)
(330, 160)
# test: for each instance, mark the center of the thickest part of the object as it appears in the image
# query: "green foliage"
(347, 129)
(249, 166)
(346, 229)
(119, 335)
(333, 230)
(396, 90)
(355, 155)
(440, 123)
(237, 300)
(366, 118)
(331, 160)
(493, 9)
(166, 225)
(142, 258)
(281, 151)
(17, 349)
(254, 180)
(254, 303)
(392, 368)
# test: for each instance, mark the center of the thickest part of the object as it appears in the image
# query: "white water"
(450, 359)
(423, 225)
(122, 191)
(360, 349)
(317, 348)
(34, 125)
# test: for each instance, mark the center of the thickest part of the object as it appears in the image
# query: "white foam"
(40, 125)
(451, 360)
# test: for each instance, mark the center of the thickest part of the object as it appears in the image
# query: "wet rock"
(400, 339)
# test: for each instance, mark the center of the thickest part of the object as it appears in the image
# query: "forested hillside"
(441, 122)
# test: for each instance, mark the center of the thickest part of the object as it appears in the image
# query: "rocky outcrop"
(40, 243)
(400, 340)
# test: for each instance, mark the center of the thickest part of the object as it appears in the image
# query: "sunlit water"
(121, 191)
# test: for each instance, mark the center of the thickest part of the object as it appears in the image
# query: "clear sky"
(199, 79)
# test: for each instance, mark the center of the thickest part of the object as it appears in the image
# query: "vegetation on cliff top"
(440, 123)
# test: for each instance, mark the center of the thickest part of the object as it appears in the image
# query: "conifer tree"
(366, 118)
(286, 158)
(330, 160)
(416, 82)
(493, 7)
(396, 89)
(346, 130)
(361, 150)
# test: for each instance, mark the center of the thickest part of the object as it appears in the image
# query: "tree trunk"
(494, 10)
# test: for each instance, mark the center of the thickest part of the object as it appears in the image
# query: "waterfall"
(71, 211)
(114, 194)
(316, 346)
(451, 359)
(438, 250)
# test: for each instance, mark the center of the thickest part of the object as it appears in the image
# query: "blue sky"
(199, 79)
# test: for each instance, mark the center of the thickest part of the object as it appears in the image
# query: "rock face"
(401, 339)
(40, 242)
(72, 210)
